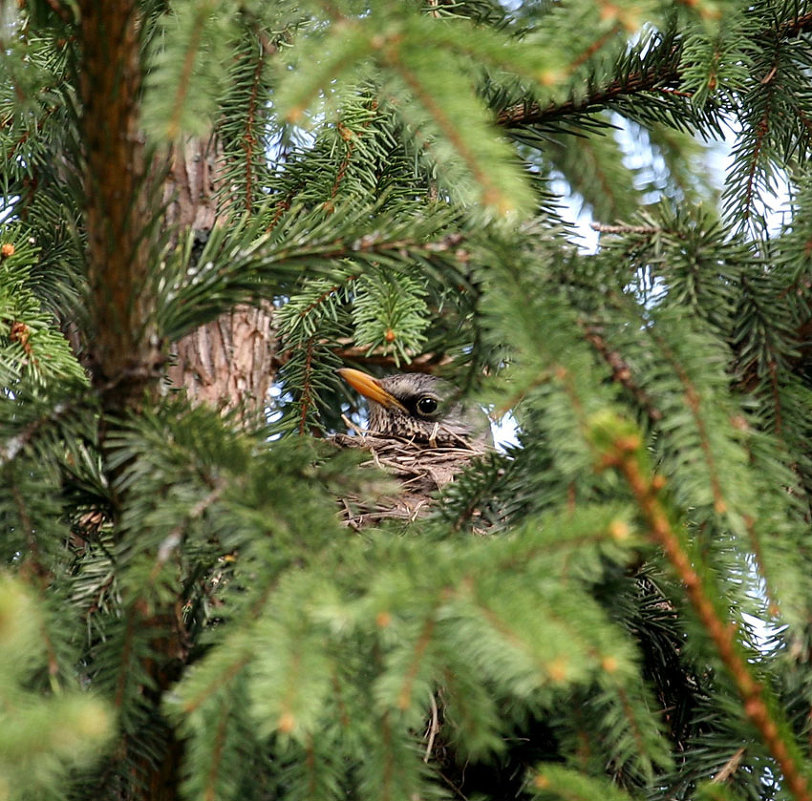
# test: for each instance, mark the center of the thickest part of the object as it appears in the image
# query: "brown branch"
(388, 778)
(593, 48)
(348, 352)
(751, 380)
(216, 757)
(33, 563)
(174, 539)
(795, 27)
(694, 403)
(347, 135)
(11, 153)
(126, 650)
(621, 372)
(541, 378)
(14, 446)
(307, 389)
(423, 642)
(424, 363)
(762, 129)
(370, 244)
(730, 767)
(665, 90)
(659, 80)
(779, 425)
(646, 80)
(313, 786)
(248, 139)
(603, 228)
(625, 456)
(33, 566)
(490, 192)
(233, 670)
(325, 295)
(126, 358)
(281, 207)
(758, 553)
(631, 720)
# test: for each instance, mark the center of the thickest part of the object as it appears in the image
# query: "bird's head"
(419, 406)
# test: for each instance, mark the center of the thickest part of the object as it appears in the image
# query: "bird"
(417, 431)
(419, 407)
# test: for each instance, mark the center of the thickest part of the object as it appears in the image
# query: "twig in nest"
(349, 423)
(434, 728)
(420, 469)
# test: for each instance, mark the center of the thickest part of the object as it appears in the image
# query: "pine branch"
(427, 362)
(621, 372)
(623, 451)
(603, 228)
(795, 27)
(242, 263)
(255, 647)
(762, 130)
(33, 564)
(694, 403)
(244, 127)
(665, 77)
(250, 140)
(306, 401)
(173, 127)
(63, 13)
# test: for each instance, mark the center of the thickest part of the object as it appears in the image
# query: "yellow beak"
(370, 388)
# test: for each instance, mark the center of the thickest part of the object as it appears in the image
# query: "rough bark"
(229, 362)
(226, 362)
(124, 352)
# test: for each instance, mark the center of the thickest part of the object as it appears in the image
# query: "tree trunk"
(229, 362)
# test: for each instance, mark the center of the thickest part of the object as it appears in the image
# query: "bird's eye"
(427, 405)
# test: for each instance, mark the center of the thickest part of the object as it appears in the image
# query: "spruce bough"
(237, 194)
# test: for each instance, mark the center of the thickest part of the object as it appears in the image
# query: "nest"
(421, 468)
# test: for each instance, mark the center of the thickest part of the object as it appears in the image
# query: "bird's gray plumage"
(428, 413)
(417, 430)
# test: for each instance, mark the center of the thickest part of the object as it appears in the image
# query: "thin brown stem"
(626, 458)
(524, 114)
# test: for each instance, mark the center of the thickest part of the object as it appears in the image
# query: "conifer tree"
(617, 606)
